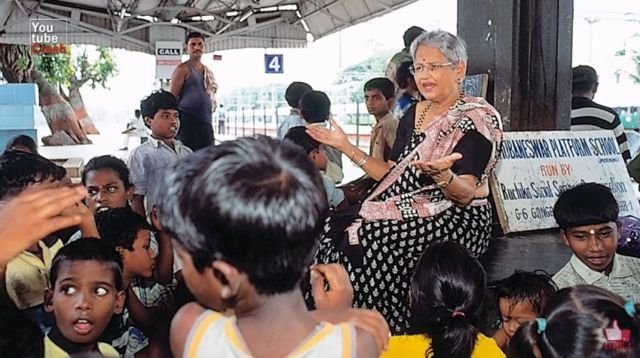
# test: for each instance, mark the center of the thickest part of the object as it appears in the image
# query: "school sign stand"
(535, 167)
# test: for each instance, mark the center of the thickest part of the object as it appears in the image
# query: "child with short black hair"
(581, 321)
(149, 161)
(316, 153)
(521, 298)
(107, 180)
(587, 215)
(22, 143)
(292, 95)
(25, 277)
(315, 108)
(409, 94)
(379, 97)
(447, 296)
(86, 290)
(246, 216)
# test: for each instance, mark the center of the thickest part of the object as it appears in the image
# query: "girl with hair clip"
(580, 321)
(446, 299)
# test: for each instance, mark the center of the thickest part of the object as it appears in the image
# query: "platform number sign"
(273, 64)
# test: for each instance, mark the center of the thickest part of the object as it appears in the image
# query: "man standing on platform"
(195, 87)
(589, 115)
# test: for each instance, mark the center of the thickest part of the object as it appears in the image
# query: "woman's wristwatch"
(443, 184)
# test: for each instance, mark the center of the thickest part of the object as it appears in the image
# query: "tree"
(69, 73)
(17, 66)
(353, 77)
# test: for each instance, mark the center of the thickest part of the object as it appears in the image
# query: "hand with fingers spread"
(331, 286)
(34, 214)
(438, 166)
(334, 137)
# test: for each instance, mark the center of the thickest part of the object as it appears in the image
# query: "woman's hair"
(447, 295)
(578, 322)
(451, 46)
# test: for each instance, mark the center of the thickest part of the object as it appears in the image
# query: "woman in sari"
(436, 190)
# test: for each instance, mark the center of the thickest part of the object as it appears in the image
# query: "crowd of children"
(186, 254)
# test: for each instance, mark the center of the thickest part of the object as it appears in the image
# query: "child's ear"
(147, 120)
(48, 300)
(563, 235)
(121, 251)
(230, 278)
(120, 301)
(129, 192)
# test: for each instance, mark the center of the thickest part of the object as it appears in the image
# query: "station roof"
(228, 24)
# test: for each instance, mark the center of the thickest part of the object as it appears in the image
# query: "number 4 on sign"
(273, 64)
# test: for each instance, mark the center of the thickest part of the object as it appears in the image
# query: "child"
(379, 97)
(588, 219)
(107, 181)
(318, 157)
(129, 234)
(135, 128)
(581, 321)
(409, 94)
(150, 160)
(22, 143)
(293, 94)
(246, 216)
(25, 276)
(86, 280)
(521, 298)
(447, 294)
(315, 108)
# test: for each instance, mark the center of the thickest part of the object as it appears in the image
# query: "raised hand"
(334, 137)
(338, 292)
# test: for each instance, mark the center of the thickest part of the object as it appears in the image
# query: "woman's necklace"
(426, 109)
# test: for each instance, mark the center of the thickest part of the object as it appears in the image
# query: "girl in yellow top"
(447, 292)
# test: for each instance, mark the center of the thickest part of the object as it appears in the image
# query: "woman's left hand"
(435, 167)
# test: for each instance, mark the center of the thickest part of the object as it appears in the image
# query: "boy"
(25, 276)
(129, 235)
(135, 128)
(246, 216)
(315, 108)
(521, 297)
(316, 153)
(588, 219)
(293, 94)
(86, 280)
(150, 160)
(107, 181)
(379, 98)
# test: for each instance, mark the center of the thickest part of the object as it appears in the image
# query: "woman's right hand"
(334, 137)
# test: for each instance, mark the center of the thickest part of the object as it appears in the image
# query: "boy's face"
(377, 105)
(83, 299)
(141, 260)
(164, 124)
(514, 314)
(594, 245)
(319, 158)
(105, 190)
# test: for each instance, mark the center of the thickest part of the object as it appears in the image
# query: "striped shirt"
(586, 115)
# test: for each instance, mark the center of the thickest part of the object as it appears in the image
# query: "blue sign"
(273, 63)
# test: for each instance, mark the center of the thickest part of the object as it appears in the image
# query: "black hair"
(585, 204)
(315, 107)
(23, 141)
(575, 322)
(411, 34)
(88, 249)
(120, 226)
(584, 79)
(193, 35)
(535, 288)
(382, 84)
(157, 101)
(300, 137)
(107, 162)
(447, 295)
(256, 203)
(18, 170)
(294, 93)
(19, 335)
(137, 113)
(403, 75)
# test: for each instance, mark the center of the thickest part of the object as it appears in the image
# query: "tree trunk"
(76, 102)
(17, 67)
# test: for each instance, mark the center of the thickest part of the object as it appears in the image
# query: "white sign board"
(535, 167)
(168, 56)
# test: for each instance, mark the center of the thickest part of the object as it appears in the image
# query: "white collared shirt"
(624, 279)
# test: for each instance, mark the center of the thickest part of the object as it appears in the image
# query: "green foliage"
(74, 71)
(353, 77)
